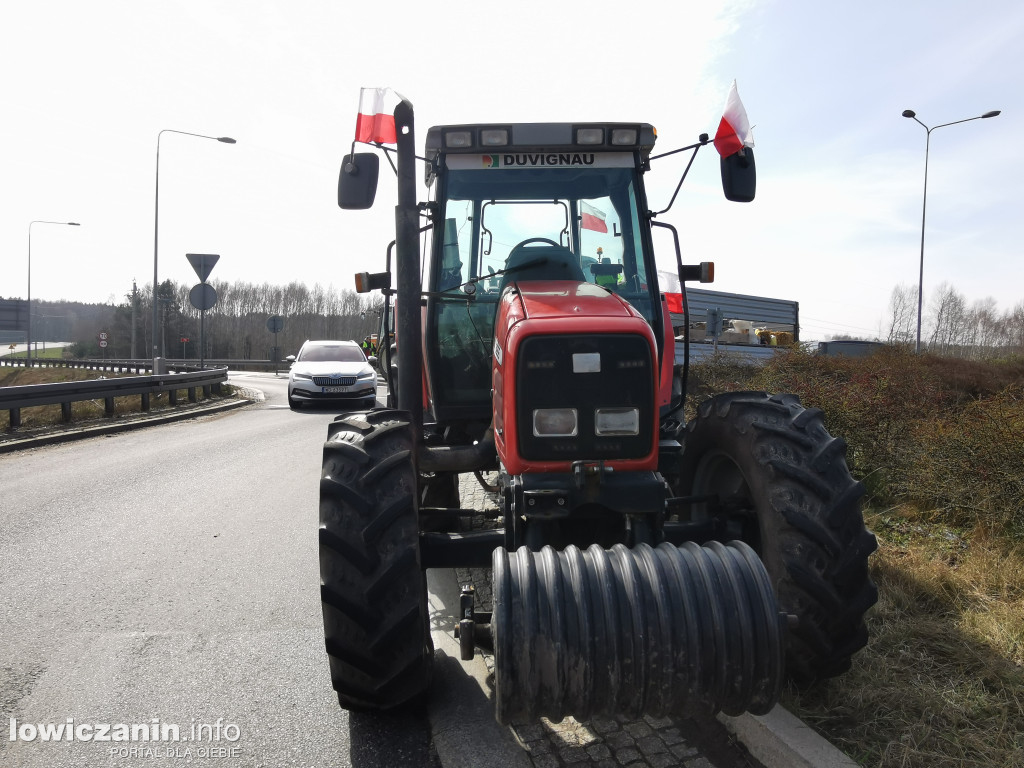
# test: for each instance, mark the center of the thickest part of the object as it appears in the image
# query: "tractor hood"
(569, 302)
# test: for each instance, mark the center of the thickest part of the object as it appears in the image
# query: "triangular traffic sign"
(202, 263)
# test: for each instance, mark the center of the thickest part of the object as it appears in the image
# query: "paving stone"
(546, 761)
(671, 736)
(604, 725)
(637, 729)
(599, 752)
(699, 762)
(619, 740)
(651, 745)
(628, 755)
(539, 747)
(571, 755)
(658, 722)
(662, 761)
(683, 751)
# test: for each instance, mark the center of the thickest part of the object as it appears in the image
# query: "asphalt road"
(167, 577)
(164, 578)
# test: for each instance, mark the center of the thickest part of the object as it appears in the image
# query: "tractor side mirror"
(739, 176)
(357, 182)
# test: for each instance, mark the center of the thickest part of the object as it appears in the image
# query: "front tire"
(373, 591)
(783, 487)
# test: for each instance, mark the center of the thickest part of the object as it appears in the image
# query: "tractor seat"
(545, 262)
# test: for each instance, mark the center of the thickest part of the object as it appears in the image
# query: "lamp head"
(226, 139)
(909, 113)
(74, 224)
(993, 113)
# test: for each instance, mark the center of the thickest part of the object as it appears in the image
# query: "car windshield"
(331, 353)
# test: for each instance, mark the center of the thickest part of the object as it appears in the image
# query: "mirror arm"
(387, 153)
(693, 156)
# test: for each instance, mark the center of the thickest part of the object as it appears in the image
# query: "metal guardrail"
(65, 393)
(140, 365)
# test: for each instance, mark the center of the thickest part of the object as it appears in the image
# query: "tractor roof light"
(624, 137)
(458, 139)
(494, 137)
(539, 137)
(590, 135)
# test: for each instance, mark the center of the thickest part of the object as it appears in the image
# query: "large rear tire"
(783, 487)
(372, 589)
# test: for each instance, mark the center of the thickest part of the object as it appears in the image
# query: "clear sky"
(88, 86)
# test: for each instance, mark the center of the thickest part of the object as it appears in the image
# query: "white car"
(331, 372)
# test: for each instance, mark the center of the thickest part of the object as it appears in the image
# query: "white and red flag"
(376, 121)
(592, 218)
(673, 290)
(734, 129)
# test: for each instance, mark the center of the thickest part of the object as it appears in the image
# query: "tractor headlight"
(617, 421)
(555, 422)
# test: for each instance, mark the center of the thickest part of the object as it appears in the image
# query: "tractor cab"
(518, 204)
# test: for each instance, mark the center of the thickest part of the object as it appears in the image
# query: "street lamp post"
(156, 229)
(28, 327)
(924, 205)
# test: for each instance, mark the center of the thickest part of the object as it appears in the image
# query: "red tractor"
(642, 564)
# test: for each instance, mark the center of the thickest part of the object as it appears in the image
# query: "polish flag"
(673, 290)
(734, 130)
(593, 218)
(376, 121)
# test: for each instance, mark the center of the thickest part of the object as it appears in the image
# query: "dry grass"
(940, 445)
(941, 682)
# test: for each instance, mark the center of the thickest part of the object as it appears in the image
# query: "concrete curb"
(65, 434)
(781, 740)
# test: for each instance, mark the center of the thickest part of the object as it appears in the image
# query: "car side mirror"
(739, 176)
(357, 182)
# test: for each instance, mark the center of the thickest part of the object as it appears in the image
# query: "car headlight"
(555, 422)
(368, 376)
(303, 376)
(617, 421)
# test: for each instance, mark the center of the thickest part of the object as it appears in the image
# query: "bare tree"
(901, 315)
(946, 319)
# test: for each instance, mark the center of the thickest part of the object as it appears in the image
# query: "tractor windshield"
(592, 211)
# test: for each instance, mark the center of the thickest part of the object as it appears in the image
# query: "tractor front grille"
(550, 374)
